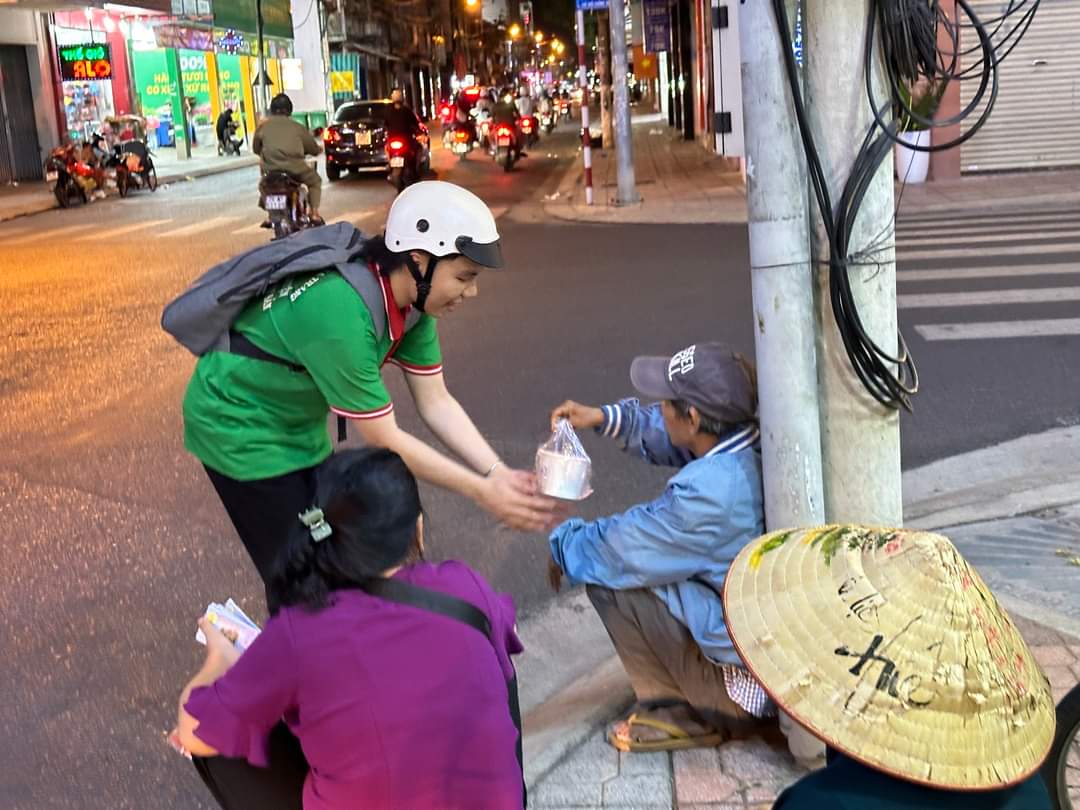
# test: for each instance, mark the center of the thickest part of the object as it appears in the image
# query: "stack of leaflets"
(232, 621)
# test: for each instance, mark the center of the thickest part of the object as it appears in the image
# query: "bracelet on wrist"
(492, 469)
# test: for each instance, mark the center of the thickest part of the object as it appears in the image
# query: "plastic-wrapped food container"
(563, 468)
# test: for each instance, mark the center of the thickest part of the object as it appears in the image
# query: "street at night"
(116, 540)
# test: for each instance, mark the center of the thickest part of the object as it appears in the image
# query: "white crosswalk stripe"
(1000, 255)
(123, 230)
(254, 227)
(199, 227)
(1036, 295)
(63, 232)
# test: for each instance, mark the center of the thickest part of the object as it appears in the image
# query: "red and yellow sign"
(89, 62)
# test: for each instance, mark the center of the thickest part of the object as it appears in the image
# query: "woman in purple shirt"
(394, 706)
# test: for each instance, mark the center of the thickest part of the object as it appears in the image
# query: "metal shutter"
(1036, 121)
(20, 156)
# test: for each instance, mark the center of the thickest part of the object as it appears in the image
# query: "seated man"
(654, 573)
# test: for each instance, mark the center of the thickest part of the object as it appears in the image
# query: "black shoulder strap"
(405, 593)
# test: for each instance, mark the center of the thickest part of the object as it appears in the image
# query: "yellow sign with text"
(342, 81)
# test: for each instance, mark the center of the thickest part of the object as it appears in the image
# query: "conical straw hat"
(887, 645)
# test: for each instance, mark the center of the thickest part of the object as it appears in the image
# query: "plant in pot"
(913, 165)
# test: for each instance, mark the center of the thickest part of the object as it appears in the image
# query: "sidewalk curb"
(240, 163)
(563, 722)
(1006, 480)
(50, 204)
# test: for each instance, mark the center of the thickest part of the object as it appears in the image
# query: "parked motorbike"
(402, 153)
(61, 173)
(1059, 771)
(530, 129)
(285, 200)
(138, 167)
(504, 146)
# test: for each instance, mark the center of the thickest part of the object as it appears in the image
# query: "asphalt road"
(115, 540)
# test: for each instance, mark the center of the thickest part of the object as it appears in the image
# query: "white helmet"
(444, 220)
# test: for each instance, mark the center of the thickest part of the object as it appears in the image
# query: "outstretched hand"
(514, 498)
(578, 415)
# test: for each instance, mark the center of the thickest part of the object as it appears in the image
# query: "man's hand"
(512, 497)
(580, 416)
(555, 575)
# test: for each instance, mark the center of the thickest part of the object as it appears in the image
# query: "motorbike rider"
(226, 129)
(506, 112)
(282, 143)
(524, 103)
(402, 121)
(259, 428)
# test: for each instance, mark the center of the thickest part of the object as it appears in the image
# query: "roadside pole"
(626, 193)
(583, 83)
(860, 439)
(603, 67)
(782, 280)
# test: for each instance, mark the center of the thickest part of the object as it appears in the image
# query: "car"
(356, 139)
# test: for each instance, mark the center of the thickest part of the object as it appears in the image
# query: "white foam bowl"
(563, 477)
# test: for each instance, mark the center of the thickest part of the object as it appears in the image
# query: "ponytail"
(371, 503)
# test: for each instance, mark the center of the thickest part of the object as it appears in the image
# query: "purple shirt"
(394, 706)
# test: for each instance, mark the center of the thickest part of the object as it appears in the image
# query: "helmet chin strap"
(423, 280)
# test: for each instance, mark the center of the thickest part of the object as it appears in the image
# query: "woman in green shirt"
(256, 416)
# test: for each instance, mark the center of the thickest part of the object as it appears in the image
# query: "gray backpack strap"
(362, 280)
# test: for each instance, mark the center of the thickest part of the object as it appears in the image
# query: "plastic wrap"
(563, 468)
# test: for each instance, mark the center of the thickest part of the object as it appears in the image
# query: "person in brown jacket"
(282, 144)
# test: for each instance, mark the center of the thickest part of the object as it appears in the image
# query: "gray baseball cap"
(712, 377)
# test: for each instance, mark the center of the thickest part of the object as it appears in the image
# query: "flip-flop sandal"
(677, 739)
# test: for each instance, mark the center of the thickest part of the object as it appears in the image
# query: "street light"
(514, 31)
(539, 37)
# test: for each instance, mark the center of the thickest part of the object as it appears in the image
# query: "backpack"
(201, 317)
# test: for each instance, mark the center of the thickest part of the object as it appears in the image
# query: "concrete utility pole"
(624, 137)
(860, 440)
(603, 67)
(783, 287)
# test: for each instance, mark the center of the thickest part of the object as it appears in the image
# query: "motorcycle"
(463, 138)
(547, 122)
(285, 200)
(504, 146)
(564, 109)
(401, 154)
(529, 127)
(65, 177)
(1058, 770)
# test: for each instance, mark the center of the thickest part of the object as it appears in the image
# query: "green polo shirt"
(251, 419)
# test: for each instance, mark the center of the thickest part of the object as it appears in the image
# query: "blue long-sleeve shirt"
(681, 544)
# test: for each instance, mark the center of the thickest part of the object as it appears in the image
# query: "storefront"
(92, 70)
(1035, 123)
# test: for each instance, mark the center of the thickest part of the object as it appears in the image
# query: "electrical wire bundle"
(912, 55)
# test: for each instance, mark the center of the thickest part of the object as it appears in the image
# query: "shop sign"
(592, 5)
(292, 74)
(183, 36)
(85, 62)
(230, 41)
(657, 26)
(240, 15)
(342, 81)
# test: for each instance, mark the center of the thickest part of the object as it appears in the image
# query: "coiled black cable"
(912, 53)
